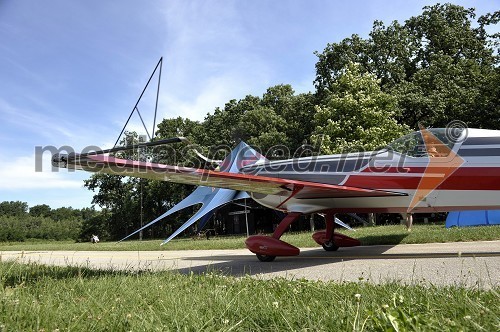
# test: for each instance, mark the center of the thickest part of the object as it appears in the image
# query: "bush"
(16, 228)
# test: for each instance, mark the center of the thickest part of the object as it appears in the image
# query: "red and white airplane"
(431, 170)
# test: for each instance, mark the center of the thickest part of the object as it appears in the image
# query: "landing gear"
(330, 246)
(331, 241)
(268, 247)
(265, 258)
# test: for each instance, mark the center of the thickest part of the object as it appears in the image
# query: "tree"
(438, 66)
(279, 118)
(94, 222)
(13, 208)
(356, 115)
(218, 127)
(112, 194)
(177, 153)
(65, 213)
(262, 128)
(42, 210)
(296, 111)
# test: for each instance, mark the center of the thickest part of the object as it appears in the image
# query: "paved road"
(465, 263)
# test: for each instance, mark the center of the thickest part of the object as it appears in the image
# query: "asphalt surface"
(472, 264)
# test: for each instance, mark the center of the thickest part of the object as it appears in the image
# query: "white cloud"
(211, 58)
(215, 93)
(20, 174)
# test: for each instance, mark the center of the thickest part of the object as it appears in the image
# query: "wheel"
(330, 246)
(265, 258)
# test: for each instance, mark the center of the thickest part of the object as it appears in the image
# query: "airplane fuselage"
(463, 175)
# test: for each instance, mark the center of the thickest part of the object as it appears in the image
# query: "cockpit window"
(425, 143)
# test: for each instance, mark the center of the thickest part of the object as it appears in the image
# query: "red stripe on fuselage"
(393, 209)
(464, 178)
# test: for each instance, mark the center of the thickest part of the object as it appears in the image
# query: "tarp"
(473, 218)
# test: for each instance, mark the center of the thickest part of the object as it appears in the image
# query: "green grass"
(46, 298)
(392, 234)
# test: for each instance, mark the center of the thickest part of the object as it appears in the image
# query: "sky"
(71, 71)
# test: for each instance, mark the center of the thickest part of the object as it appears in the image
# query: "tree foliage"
(42, 222)
(356, 115)
(438, 65)
(13, 208)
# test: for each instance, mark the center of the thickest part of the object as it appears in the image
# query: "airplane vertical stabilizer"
(211, 198)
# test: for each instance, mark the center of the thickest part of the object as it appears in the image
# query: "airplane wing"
(201, 177)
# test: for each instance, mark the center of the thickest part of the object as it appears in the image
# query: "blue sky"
(71, 71)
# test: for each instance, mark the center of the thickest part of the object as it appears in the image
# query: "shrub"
(20, 228)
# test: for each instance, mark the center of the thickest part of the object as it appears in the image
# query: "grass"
(49, 298)
(392, 234)
(46, 298)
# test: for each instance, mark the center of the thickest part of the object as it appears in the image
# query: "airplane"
(429, 170)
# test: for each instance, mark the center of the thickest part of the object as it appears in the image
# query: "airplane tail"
(211, 198)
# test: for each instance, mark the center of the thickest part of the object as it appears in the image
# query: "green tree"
(261, 128)
(42, 210)
(112, 194)
(65, 213)
(13, 208)
(296, 113)
(440, 65)
(178, 153)
(218, 127)
(95, 223)
(356, 115)
(280, 117)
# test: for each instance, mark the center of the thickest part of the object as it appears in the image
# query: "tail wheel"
(265, 258)
(330, 246)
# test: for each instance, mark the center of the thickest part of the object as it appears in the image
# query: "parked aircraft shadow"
(240, 265)
(383, 239)
(249, 264)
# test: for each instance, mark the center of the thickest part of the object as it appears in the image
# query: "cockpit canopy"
(435, 142)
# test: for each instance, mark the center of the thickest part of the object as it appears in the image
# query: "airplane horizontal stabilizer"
(211, 198)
